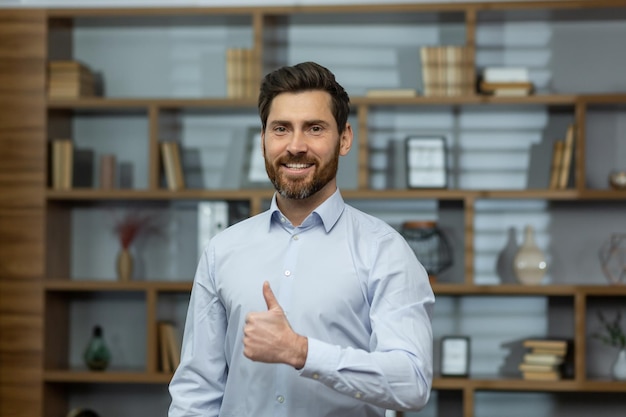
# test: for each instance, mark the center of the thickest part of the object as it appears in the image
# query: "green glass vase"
(97, 354)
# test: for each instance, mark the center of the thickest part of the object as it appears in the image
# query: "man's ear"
(346, 140)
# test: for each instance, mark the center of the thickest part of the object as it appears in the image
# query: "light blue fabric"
(347, 281)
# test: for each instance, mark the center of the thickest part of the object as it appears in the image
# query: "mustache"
(296, 160)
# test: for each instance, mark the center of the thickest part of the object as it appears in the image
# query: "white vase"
(529, 263)
(619, 367)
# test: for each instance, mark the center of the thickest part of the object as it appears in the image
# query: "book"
(83, 167)
(108, 168)
(542, 376)
(490, 86)
(558, 344)
(164, 348)
(170, 154)
(62, 164)
(543, 359)
(506, 74)
(531, 367)
(555, 166)
(391, 92)
(169, 346)
(566, 162)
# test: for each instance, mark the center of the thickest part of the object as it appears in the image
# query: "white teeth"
(297, 166)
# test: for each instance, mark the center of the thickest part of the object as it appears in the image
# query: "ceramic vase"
(529, 263)
(124, 265)
(97, 354)
(619, 367)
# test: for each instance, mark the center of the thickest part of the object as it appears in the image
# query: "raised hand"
(268, 336)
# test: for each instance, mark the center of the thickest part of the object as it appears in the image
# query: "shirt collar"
(328, 212)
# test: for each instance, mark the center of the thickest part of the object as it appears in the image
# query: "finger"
(270, 298)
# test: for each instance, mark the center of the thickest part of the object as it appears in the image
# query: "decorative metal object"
(429, 244)
(613, 259)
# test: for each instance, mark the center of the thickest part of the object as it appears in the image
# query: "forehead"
(301, 105)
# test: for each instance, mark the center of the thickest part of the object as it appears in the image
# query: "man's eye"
(280, 129)
(316, 129)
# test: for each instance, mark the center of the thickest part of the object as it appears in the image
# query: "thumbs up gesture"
(268, 336)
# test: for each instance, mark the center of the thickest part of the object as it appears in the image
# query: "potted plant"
(612, 334)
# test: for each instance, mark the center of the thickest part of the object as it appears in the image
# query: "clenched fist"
(268, 337)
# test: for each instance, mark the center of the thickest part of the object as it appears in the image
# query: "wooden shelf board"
(84, 376)
(510, 289)
(160, 194)
(497, 383)
(66, 285)
(78, 194)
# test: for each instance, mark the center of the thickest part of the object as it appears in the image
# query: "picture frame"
(254, 174)
(455, 356)
(426, 162)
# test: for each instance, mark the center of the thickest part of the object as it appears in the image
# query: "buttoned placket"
(289, 273)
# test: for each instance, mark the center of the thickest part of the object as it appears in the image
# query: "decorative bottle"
(529, 263)
(97, 354)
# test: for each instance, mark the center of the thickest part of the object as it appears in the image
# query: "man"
(312, 308)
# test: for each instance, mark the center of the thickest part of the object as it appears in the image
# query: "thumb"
(270, 298)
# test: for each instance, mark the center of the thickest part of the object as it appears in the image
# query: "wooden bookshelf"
(36, 220)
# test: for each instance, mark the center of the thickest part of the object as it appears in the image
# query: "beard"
(302, 187)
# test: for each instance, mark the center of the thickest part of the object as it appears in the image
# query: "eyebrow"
(306, 123)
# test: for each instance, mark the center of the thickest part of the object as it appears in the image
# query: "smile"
(298, 166)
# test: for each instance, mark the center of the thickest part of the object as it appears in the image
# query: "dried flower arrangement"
(132, 224)
(612, 333)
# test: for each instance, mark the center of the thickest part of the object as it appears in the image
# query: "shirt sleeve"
(197, 387)
(396, 372)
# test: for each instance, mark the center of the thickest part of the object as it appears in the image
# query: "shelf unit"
(70, 290)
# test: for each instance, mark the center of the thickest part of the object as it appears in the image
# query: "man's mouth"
(297, 166)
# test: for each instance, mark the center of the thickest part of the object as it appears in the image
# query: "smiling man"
(311, 308)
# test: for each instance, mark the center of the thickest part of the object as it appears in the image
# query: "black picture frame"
(426, 162)
(455, 356)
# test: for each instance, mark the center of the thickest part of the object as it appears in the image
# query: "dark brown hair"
(302, 77)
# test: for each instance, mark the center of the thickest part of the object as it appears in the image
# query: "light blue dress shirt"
(347, 281)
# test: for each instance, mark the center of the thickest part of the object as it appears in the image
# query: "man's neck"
(298, 210)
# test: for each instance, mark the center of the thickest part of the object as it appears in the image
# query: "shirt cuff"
(321, 361)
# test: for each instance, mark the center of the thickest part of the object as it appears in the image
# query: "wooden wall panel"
(22, 209)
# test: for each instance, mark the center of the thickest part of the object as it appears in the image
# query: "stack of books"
(545, 359)
(447, 70)
(506, 81)
(240, 81)
(70, 79)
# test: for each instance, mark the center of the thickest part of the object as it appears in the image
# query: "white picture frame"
(255, 175)
(426, 162)
(455, 356)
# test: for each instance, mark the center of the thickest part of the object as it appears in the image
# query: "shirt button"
(287, 273)
(316, 376)
(283, 220)
(280, 399)
(357, 395)
(295, 237)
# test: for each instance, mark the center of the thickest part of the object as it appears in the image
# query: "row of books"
(69, 166)
(240, 80)
(547, 359)
(70, 79)
(447, 70)
(169, 346)
(562, 160)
